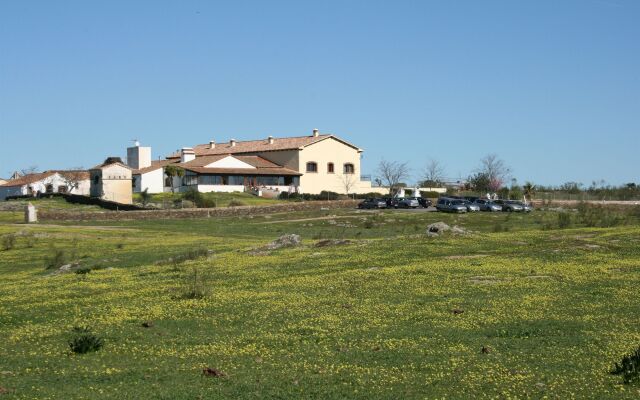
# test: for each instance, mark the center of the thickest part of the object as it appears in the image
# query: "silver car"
(471, 207)
(408, 202)
(487, 205)
(446, 204)
(524, 207)
(511, 205)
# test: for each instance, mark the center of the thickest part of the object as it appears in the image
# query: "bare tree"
(73, 178)
(32, 169)
(495, 169)
(433, 173)
(348, 181)
(393, 173)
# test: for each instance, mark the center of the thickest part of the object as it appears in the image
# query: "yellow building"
(310, 163)
(112, 181)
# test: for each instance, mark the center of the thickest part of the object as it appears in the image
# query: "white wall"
(220, 188)
(152, 181)
(41, 186)
(229, 162)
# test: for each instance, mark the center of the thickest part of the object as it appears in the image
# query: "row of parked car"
(448, 204)
(395, 202)
(470, 204)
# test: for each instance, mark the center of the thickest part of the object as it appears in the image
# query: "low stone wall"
(50, 215)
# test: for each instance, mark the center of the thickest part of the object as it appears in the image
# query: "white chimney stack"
(187, 154)
(232, 142)
(316, 133)
(212, 144)
(270, 139)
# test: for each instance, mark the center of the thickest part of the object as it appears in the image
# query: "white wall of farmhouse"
(153, 181)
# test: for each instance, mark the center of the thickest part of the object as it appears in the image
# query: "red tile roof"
(254, 146)
(155, 164)
(38, 176)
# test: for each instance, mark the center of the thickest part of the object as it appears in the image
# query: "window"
(330, 168)
(62, 189)
(96, 179)
(312, 167)
(49, 188)
(270, 180)
(190, 180)
(210, 180)
(236, 180)
(349, 168)
(168, 181)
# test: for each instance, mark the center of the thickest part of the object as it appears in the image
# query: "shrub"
(8, 241)
(198, 199)
(196, 285)
(629, 367)
(84, 341)
(564, 220)
(236, 203)
(30, 239)
(429, 195)
(57, 259)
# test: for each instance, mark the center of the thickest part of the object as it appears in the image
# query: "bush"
(564, 220)
(196, 285)
(429, 195)
(8, 241)
(57, 259)
(84, 341)
(629, 367)
(30, 239)
(236, 203)
(198, 199)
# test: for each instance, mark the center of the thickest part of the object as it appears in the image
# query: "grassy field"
(391, 314)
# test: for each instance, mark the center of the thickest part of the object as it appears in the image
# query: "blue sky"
(552, 87)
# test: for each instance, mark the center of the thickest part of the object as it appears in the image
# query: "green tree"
(171, 171)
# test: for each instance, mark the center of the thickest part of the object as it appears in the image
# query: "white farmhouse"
(48, 182)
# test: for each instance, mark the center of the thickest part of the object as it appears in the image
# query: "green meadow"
(366, 306)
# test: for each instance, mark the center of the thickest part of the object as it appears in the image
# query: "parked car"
(372, 203)
(487, 205)
(510, 205)
(515, 205)
(471, 207)
(425, 203)
(446, 204)
(392, 202)
(408, 202)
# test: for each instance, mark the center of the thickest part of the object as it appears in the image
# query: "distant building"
(112, 180)
(304, 164)
(48, 182)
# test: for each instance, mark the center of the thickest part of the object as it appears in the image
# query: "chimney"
(138, 157)
(232, 143)
(212, 144)
(187, 154)
(316, 133)
(270, 139)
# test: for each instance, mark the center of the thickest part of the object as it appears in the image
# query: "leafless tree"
(73, 178)
(433, 173)
(392, 173)
(29, 170)
(495, 169)
(348, 181)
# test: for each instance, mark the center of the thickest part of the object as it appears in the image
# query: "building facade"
(303, 164)
(112, 180)
(48, 182)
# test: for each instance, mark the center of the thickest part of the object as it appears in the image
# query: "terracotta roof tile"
(155, 164)
(254, 146)
(32, 178)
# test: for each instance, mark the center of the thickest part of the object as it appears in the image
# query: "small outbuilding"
(112, 180)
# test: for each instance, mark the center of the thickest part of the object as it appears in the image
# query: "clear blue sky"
(552, 87)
